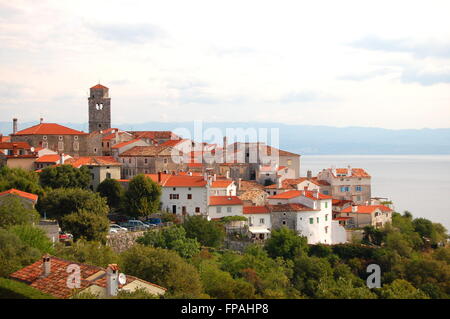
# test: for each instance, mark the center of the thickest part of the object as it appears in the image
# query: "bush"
(33, 237)
(88, 252)
(142, 197)
(112, 191)
(11, 289)
(86, 224)
(163, 267)
(285, 243)
(65, 176)
(14, 254)
(13, 212)
(208, 233)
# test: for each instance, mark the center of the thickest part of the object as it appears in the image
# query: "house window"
(60, 146)
(145, 161)
(174, 196)
(45, 145)
(311, 220)
(284, 222)
(60, 138)
(108, 175)
(189, 188)
(189, 196)
(165, 161)
(345, 189)
(326, 217)
(228, 209)
(44, 137)
(95, 150)
(75, 138)
(325, 192)
(317, 219)
(76, 146)
(197, 209)
(289, 162)
(129, 160)
(261, 220)
(218, 209)
(326, 204)
(103, 144)
(174, 188)
(326, 229)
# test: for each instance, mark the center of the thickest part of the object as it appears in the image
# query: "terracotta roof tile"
(224, 200)
(49, 129)
(256, 210)
(221, 184)
(23, 194)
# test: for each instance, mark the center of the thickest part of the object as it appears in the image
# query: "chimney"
(14, 125)
(239, 183)
(227, 174)
(349, 173)
(279, 183)
(159, 177)
(61, 158)
(308, 174)
(112, 280)
(41, 120)
(214, 177)
(46, 264)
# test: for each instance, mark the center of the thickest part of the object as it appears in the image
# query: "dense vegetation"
(190, 261)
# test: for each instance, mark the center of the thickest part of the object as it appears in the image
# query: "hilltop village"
(268, 190)
(250, 189)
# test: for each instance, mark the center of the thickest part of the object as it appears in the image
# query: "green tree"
(88, 252)
(65, 176)
(33, 237)
(401, 289)
(14, 212)
(309, 272)
(63, 201)
(173, 238)
(20, 179)
(112, 191)
(342, 289)
(142, 197)
(14, 254)
(208, 233)
(285, 243)
(85, 224)
(163, 267)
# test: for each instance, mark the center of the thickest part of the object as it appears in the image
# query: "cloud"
(305, 96)
(127, 33)
(420, 50)
(425, 77)
(365, 75)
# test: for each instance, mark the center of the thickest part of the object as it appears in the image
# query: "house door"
(174, 209)
(183, 210)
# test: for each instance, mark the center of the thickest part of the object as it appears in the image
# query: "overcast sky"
(339, 63)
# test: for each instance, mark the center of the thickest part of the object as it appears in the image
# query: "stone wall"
(120, 242)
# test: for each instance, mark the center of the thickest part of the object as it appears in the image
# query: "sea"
(419, 184)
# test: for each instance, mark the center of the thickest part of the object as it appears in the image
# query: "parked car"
(65, 237)
(114, 228)
(153, 222)
(134, 224)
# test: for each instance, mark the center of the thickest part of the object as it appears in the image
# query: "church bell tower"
(99, 108)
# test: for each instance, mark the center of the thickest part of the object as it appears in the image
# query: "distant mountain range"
(310, 139)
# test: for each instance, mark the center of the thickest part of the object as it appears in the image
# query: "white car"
(114, 228)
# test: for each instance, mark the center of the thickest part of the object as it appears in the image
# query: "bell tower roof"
(99, 86)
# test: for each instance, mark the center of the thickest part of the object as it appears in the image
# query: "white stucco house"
(222, 206)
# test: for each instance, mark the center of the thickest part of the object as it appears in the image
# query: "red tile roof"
(119, 145)
(221, 184)
(295, 193)
(49, 129)
(99, 86)
(5, 138)
(151, 150)
(168, 180)
(155, 135)
(286, 195)
(55, 283)
(13, 145)
(224, 200)
(49, 158)
(92, 161)
(173, 142)
(369, 209)
(17, 192)
(256, 210)
(356, 172)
